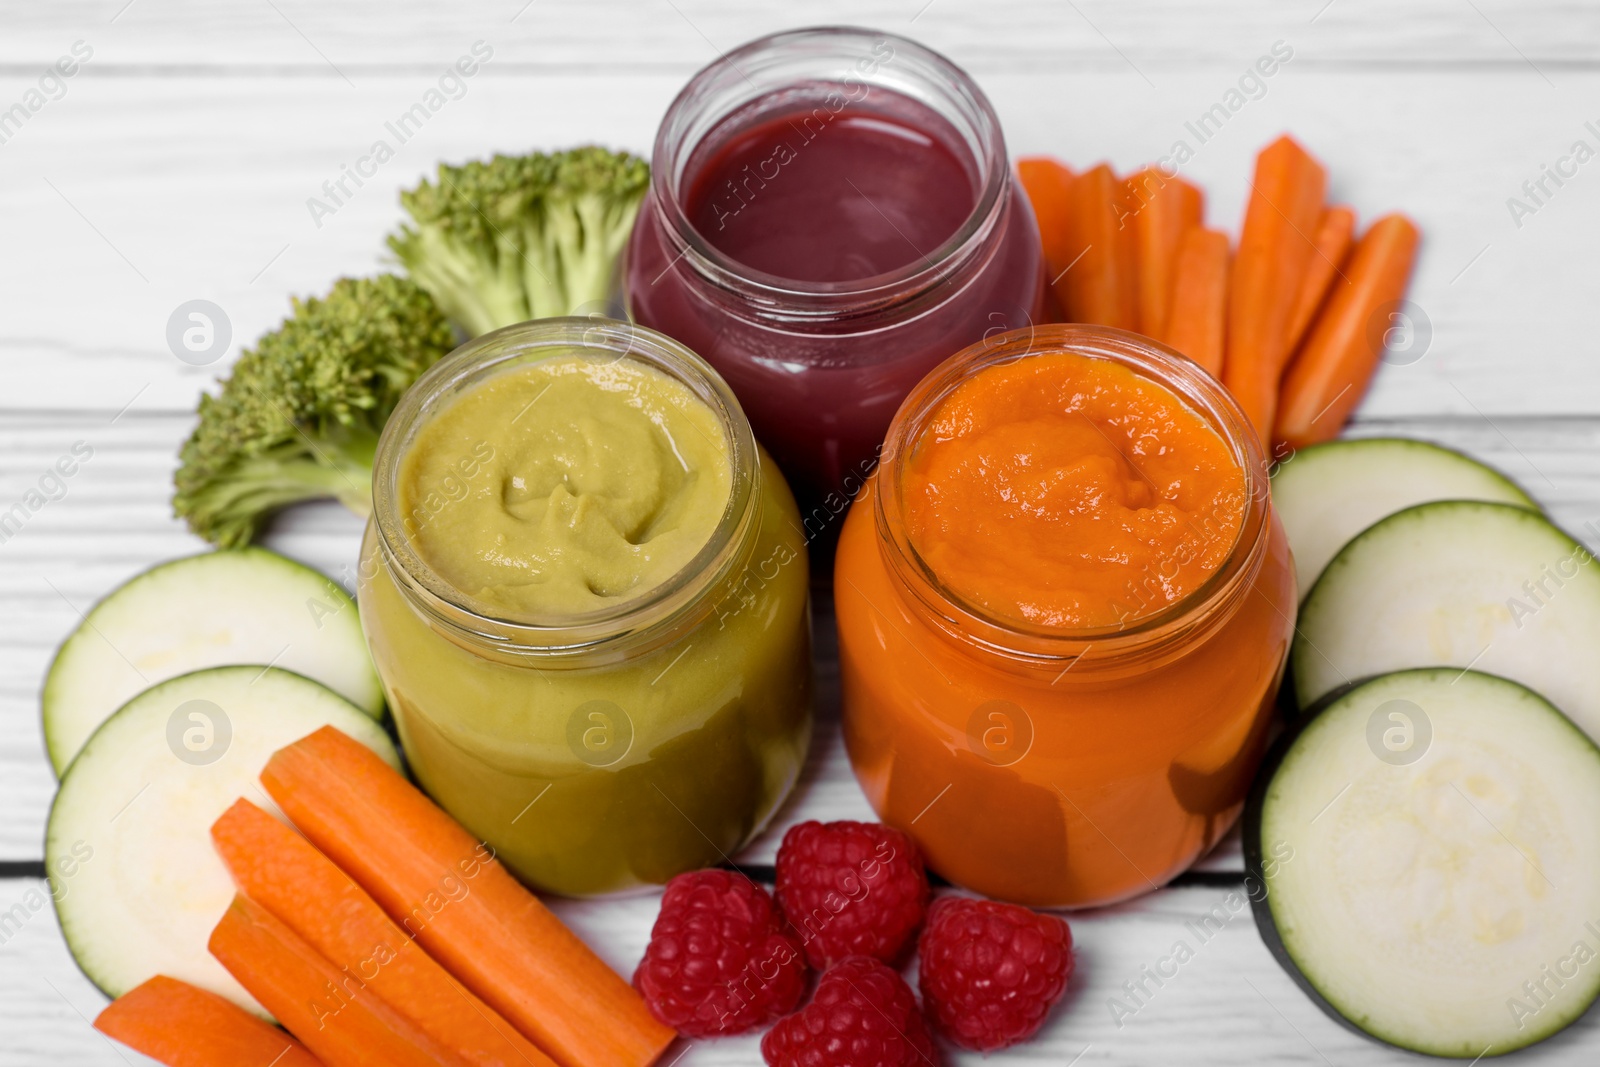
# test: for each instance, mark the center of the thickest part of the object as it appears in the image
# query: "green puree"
(550, 490)
(565, 486)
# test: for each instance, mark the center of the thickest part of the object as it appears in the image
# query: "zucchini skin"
(1257, 885)
(1256, 857)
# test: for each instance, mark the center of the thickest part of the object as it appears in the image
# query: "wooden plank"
(207, 199)
(1229, 1004)
(331, 41)
(113, 521)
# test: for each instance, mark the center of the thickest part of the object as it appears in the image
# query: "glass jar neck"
(632, 625)
(825, 72)
(1140, 642)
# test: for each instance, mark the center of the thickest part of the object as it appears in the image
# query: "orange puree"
(1068, 492)
(1036, 492)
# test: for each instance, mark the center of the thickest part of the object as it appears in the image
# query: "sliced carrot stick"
(1098, 286)
(1335, 365)
(1163, 207)
(184, 1026)
(344, 1024)
(1277, 241)
(1334, 234)
(285, 874)
(1198, 319)
(446, 888)
(1048, 183)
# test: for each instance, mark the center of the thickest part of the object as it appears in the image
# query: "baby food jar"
(614, 747)
(1050, 765)
(831, 214)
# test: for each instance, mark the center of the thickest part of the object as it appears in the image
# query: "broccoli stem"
(521, 237)
(479, 292)
(234, 508)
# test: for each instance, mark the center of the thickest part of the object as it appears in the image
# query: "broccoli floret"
(521, 237)
(300, 415)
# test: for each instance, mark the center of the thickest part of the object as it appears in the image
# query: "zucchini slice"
(1328, 493)
(1458, 584)
(1425, 861)
(132, 820)
(240, 606)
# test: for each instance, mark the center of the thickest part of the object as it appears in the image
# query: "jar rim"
(1203, 607)
(652, 617)
(940, 84)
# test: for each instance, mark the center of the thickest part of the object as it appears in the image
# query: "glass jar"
(820, 366)
(1058, 767)
(610, 750)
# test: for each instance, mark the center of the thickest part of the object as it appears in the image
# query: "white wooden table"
(178, 162)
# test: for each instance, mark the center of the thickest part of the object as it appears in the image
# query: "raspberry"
(852, 889)
(720, 960)
(990, 972)
(863, 1015)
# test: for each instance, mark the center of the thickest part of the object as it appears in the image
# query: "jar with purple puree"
(831, 215)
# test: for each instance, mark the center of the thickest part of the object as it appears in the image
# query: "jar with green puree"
(585, 589)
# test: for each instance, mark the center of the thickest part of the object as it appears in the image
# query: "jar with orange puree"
(1064, 604)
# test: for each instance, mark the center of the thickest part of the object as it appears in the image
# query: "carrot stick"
(1275, 246)
(446, 888)
(344, 1024)
(1198, 319)
(1097, 286)
(1163, 209)
(1048, 184)
(286, 875)
(1332, 241)
(1334, 367)
(184, 1026)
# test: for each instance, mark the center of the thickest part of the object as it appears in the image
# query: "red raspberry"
(863, 1015)
(852, 889)
(991, 972)
(720, 960)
